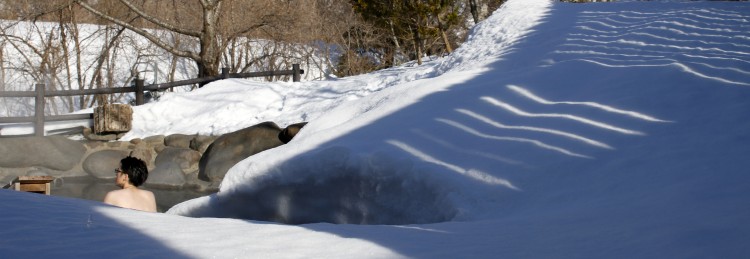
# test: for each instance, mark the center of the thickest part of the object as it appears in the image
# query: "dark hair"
(136, 170)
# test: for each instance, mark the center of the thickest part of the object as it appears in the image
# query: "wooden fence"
(139, 88)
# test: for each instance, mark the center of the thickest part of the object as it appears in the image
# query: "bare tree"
(207, 58)
(47, 46)
(217, 28)
(69, 46)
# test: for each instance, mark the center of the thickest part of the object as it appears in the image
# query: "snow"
(557, 130)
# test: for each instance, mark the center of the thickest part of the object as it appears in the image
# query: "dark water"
(94, 189)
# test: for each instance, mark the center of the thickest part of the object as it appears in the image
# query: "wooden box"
(37, 184)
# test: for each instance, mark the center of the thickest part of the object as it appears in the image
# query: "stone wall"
(172, 160)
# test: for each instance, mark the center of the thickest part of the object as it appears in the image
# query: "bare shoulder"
(149, 194)
(147, 191)
(149, 201)
(113, 197)
(114, 193)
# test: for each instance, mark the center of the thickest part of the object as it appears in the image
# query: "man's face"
(120, 178)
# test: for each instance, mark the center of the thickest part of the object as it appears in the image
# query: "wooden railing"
(139, 89)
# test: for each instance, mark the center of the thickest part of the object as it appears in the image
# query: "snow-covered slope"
(584, 130)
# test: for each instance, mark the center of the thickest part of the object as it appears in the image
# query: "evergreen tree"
(413, 21)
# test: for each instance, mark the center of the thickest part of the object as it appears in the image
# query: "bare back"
(132, 198)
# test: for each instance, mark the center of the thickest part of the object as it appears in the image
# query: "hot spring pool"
(90, 188)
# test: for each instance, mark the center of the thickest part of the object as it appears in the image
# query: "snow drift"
(384, 179)
(542, 94)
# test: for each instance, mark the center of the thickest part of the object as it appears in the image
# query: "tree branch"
(158, 22)
(142, 32)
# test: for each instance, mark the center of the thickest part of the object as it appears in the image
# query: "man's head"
(135, 169)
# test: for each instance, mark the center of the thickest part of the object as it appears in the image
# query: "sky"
(615, 130)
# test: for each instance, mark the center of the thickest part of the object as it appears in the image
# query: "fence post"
(295, 76)
(224, 73)
(39, 112)
(139, 97)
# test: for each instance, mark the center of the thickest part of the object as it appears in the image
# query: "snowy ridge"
(487, 41)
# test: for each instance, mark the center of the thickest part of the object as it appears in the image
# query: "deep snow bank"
(624, 117)
(322, 178)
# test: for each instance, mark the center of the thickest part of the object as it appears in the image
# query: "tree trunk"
(2, 66)
(417, 44)
(441, 28)
(172, 70)
(113, 118)
(208, 63)
(75, 34)
(68, 74)
(397, 52)
(474, 11)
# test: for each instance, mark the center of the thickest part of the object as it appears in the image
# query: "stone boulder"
(290, 131)
(231, 148)
(166, 176)
(143, 151)
(102, 164)
(201, 143)
(172, 166)
(53, 152)
(90, 135)
(185, 159)
(195, 142)
(178, 140)
(155, 140)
